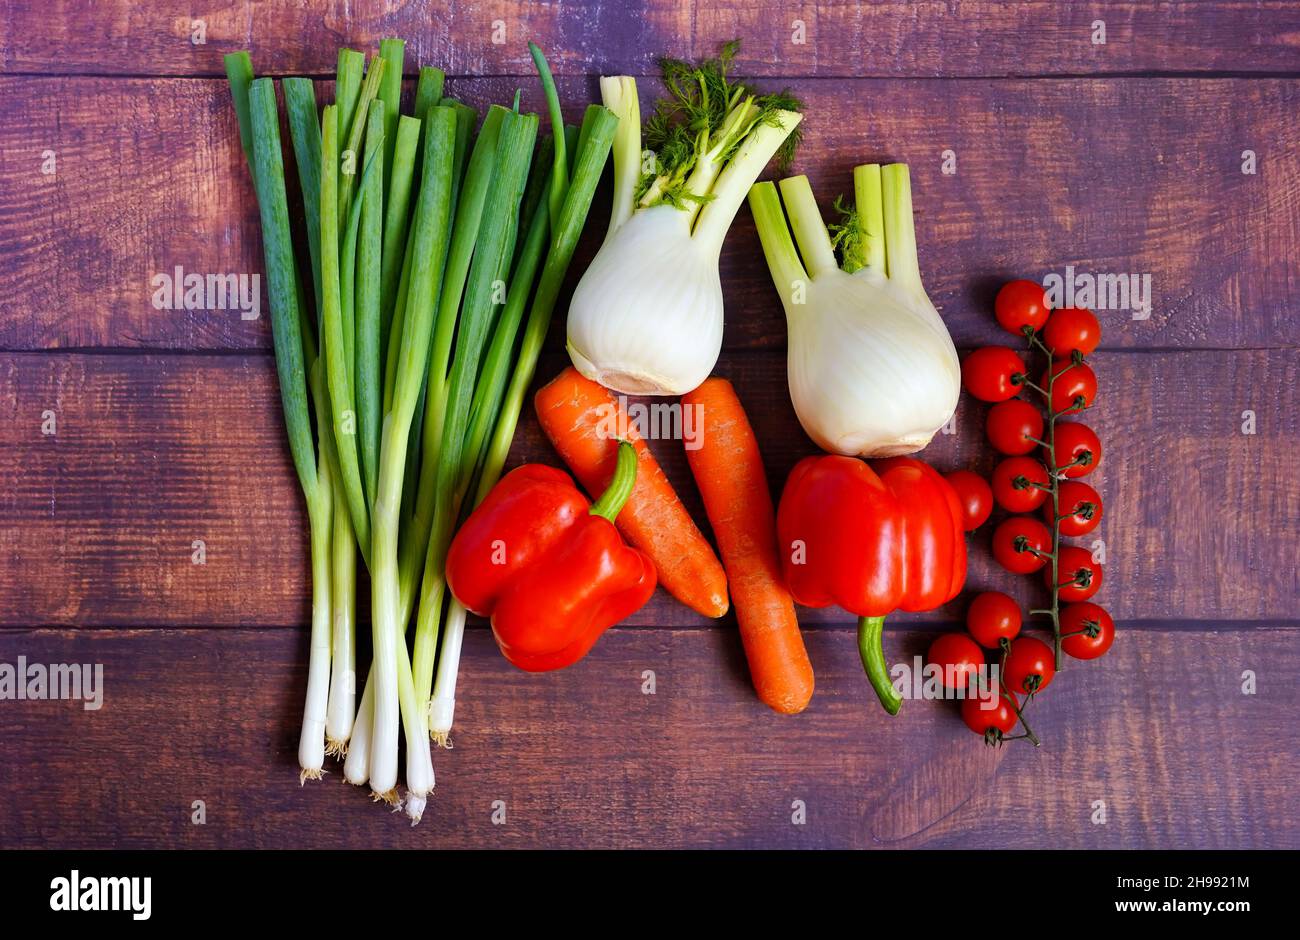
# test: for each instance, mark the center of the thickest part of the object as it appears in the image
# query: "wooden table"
(1127, 156)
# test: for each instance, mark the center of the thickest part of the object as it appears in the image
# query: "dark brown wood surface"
(1122, 157)
(929, 38)
(584, 757)
(1136, 176)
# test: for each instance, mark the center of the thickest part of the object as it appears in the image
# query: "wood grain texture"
(936, 38)
(152, 452)
(462, 37)
(1135, 177)
(1159, 730)
(1122, 158)
(827, 38)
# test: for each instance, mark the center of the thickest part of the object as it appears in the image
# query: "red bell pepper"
(871, 541)
(552, 572)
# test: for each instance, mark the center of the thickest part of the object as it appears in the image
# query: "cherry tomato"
(1080, 508)
(1021, 304)
(958, 656)
(1075, 565)
(1013, 484)
(991, 618)
(1029, 667)
(1071, 328)
(1012, 540)
(1014, 426)
(1085, 616)
(1077, 442)
(988, 373)
(974, 495)
(990, 720)
(1073, 382)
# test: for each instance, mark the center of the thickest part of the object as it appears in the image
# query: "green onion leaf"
(334, 349)
(282, 290)
(368, 365)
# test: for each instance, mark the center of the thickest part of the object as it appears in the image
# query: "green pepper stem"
(620, 486)
(870, 645)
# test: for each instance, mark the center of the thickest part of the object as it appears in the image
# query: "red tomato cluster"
(1023, 483)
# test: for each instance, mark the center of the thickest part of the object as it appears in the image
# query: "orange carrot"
(583, 420)
(729, 472)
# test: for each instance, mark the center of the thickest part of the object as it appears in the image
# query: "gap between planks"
(1134, 74)
(476, 623)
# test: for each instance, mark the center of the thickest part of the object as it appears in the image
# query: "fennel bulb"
(872, 369)
(647, 316)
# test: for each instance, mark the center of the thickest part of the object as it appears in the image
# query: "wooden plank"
(111, 503)
(1139, 177)
(826, 38)
(153, 452)
(991, 37)
(582, 757)
(462, 37)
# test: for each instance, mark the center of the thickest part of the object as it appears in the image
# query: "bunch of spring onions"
(436, 247)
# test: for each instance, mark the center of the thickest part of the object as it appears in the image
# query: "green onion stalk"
(466, 118)
(525, 262)
(305, 131)
(515, 144)
(394, 691)
(295, 357)
(342, 696)
(469, 213)
(356, 765)
(338, 335)
(347, 85)
(331, 699)
(393, 52)
(498, 399)
(397, 207)
(407, 321)
(369, 212)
